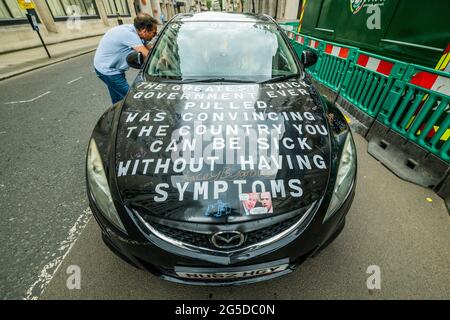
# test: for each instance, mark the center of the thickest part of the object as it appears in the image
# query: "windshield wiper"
(280, 78)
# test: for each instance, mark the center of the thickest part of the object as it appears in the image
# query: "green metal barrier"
(409, 99)
(298, 41)
(290, 25)
(314, 45)
(333, 63)
(417, 107)
(287, 28)
(369, 80)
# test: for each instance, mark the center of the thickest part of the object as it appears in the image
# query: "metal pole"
(276, 9)
(119, 18)
(43, 43)
(30, 15)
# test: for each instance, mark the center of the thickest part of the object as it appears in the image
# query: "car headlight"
(98, 184)
(345, 177)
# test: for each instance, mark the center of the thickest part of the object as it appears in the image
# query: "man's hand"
(142, 49)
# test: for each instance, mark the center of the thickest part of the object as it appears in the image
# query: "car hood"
(221, 152)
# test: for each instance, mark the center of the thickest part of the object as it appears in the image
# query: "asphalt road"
(46, 227)
(42, 189)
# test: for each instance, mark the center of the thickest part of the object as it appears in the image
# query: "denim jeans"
(117, 85)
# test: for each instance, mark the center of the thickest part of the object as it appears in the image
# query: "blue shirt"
(113, 49)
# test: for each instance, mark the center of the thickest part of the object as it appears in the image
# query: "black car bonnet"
(221, 152)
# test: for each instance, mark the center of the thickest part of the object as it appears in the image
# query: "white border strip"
(30, 100)
(50, 269)
(74, 80)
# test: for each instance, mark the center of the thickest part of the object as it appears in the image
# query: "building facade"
(64, 20)
(279, 9)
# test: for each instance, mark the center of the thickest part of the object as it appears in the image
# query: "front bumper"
(162, 259)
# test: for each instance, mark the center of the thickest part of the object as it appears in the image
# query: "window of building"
(65, 8)
(114, 6)
(9, 9)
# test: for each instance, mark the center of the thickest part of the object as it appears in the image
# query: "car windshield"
(227, 51)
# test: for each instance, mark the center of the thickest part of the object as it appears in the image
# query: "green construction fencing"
(417, 107)
(293, 25)
(333, 62)
(369, 80)
(302, 42)
(299, 43)
(410, 99)
(314, 45)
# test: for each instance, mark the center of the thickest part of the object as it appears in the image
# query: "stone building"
(64, 20)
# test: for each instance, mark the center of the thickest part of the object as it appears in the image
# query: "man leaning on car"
(110, 58)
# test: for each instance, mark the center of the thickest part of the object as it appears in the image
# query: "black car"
(223, 164)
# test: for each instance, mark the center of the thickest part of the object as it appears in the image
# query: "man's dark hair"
(145, 21)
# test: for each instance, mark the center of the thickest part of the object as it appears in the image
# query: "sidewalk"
(18, 62)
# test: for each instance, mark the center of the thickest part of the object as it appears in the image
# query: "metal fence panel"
(314, 45)
(369, 79)
(333, 63)
(418, 108)
(409, 99)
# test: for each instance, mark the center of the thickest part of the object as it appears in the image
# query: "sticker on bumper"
(256, 203)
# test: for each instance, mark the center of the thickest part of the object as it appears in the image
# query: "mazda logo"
(227, 239)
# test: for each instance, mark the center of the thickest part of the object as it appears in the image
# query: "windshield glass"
(221, 50)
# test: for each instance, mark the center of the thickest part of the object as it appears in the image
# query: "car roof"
(222, 16)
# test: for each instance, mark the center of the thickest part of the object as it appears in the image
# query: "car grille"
(203, 240)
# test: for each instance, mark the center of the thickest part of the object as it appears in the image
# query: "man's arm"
(142, 49)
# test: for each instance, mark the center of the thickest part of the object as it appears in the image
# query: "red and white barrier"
(314, 44)
(336, 51)
(432, 82)
(374, 64)
(300, 39)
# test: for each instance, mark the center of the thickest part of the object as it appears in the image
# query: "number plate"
(216, 275)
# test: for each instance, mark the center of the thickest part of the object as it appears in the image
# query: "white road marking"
(31, 100)
(50, 269)
(72, 81)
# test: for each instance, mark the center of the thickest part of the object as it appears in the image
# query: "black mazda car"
(223, 165)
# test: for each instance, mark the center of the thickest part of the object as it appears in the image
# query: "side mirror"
(308, 58)
(135, 60)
